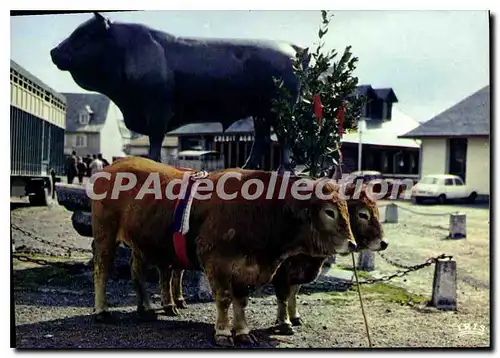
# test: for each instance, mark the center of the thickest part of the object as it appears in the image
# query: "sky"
(431, 59)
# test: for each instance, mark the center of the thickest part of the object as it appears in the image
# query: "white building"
(94, 124)
(457, 141)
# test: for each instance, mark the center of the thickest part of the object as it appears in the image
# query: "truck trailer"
(37, 128)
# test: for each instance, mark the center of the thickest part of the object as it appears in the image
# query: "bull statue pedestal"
(75, 199)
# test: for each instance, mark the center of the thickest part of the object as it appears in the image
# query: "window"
(448, 182)
(80, 141)
(458, 181)
(83, 118)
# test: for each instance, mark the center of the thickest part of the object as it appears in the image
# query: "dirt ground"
(53, 308)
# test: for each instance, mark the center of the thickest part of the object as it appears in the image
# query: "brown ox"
(238, 243)
(301, 269)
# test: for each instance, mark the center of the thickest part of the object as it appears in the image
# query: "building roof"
(387, 134)
(244, 125)
(469, 117)
(365, 90)
(14, 65)
(386, 94)
(197, 128)
(143, 141)
(78, 102)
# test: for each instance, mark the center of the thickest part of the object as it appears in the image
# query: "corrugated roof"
(469, 117)
(78, 102)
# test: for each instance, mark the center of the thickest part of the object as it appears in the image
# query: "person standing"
(82, 169)
(87, 161)
(96, 165)
(71, 167)
(105, 163)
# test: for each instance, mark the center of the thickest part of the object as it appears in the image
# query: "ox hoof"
(103, 317)
(181, 303)
(284, 329)
(297, 321)
(245, 339)
(224, 341)
(171, 310)
(147, 315)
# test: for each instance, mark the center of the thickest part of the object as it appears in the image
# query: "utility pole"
(361, 125)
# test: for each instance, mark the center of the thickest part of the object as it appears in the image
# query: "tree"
(329, 87)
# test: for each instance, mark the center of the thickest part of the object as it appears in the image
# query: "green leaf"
(322, 32)
(324, 14)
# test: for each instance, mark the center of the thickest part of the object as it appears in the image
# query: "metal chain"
(50, 243)
(394, 263)
(401, 273)
(421, 213)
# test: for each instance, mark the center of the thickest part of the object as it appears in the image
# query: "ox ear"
(352, 192)
(102, 19)
(99, 16)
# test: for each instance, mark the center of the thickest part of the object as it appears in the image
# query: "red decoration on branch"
(318, 108)
(340, 118)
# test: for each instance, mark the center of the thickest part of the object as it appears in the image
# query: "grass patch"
(390, 293)
(376, 291)
(338, 298)
(361, 274)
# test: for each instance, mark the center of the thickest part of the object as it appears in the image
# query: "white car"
(441, 187)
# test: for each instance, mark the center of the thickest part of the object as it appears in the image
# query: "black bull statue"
(161, 82)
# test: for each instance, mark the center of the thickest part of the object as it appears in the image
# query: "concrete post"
(366, 261)
(391, 213)
(444, 287)
(458, 227)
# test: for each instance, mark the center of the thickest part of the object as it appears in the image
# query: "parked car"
(442, 187)
(365, 175)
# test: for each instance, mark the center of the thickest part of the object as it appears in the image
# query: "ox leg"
(283, 324)
(104, 255)
(138, 281)
(262, 138)
(241, 330)
(167, 298)
(223, 336)
(155, 142)
(293, 313)
(180, 302)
